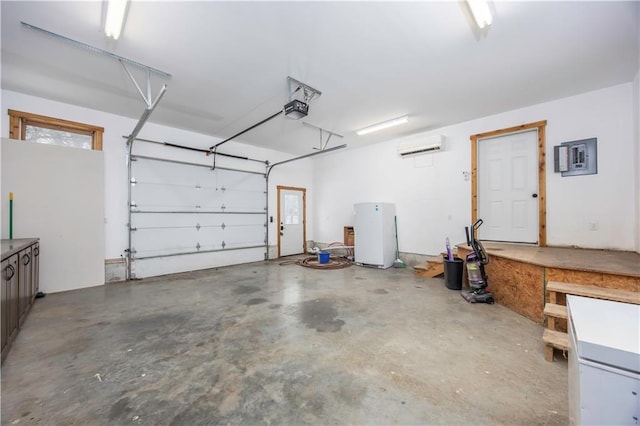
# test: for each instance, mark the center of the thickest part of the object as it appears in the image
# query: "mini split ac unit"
(423, 145)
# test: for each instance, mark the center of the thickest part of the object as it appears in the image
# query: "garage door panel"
(150, 171)
(142, 220)
(169, 198)
(180, 209)
(245, 201)
(149, 241)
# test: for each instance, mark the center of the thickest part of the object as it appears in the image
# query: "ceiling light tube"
(383, 125)
(115, 18)
(481, 12)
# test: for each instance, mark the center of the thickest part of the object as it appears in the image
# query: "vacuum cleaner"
(475, 261)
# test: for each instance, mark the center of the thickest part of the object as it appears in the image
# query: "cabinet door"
(24, 279)
(7, 274)
(10, 294)
(35, 270)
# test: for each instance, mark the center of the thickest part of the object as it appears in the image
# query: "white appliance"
(375, 237)
(604, 362)
(433, 143)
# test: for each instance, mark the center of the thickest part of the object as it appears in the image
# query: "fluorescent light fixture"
(383, 125)
(115, 18)
(481, 12)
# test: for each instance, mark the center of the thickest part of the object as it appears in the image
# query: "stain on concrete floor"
(320, 314)
(246, 289)
(256, 301)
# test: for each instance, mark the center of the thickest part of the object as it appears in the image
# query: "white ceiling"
(372, 61)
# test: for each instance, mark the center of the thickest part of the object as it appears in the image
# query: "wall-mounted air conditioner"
(423, 145)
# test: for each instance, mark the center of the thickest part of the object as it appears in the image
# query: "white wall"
(636, 138)
(59, 198)
(433, 198)
(636, 116)
(114, 148)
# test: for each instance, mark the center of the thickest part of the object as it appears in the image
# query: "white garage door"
(187, 216)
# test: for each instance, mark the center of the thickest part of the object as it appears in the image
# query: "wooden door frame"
(540, 126)
(304, 213)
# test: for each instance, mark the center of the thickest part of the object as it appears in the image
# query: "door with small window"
(291, 220)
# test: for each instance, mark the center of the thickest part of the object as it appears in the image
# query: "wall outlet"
(593, 226)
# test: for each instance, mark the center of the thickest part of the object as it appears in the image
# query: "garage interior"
(239, 212)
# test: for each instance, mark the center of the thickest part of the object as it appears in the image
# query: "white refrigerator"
(375, 237)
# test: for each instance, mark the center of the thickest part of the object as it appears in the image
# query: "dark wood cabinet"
(25, 278)
(35, 271)
(20, 283)
(6, 275)
(9, 300)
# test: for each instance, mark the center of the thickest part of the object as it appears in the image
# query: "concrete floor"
(265, 343)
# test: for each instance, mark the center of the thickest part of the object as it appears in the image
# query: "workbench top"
(10, 247)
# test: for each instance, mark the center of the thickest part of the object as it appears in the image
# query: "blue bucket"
(323, 257)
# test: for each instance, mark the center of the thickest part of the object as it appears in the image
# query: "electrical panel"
(576, 157)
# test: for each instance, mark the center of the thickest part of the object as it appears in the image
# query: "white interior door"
(291, 221)
(508, 187)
